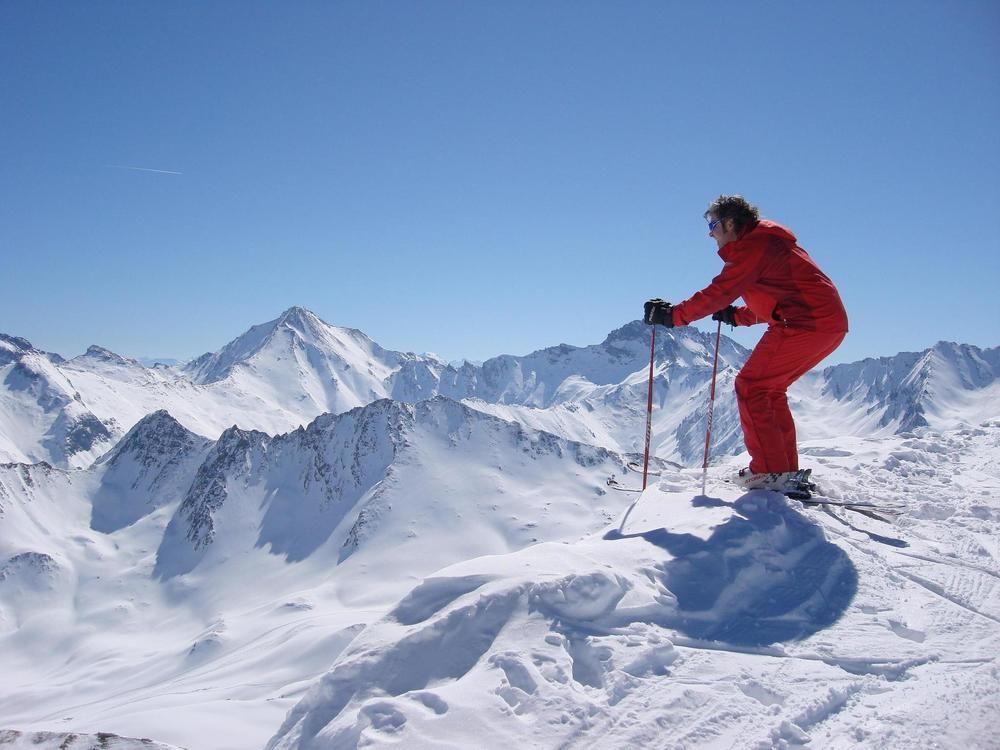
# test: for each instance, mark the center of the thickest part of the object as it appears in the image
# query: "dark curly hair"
(737, 208)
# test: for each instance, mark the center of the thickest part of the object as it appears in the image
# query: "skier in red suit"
(783, 287)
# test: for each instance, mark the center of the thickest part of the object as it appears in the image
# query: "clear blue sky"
(476, 178)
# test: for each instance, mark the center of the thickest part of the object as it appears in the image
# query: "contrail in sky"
(144, 169)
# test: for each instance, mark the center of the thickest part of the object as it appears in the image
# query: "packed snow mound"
(14, 740)
(520, 635)
(30, 582)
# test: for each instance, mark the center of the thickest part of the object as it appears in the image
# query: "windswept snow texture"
(765, 575)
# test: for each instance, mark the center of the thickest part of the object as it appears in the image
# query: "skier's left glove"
(726, 315)
(658, 312)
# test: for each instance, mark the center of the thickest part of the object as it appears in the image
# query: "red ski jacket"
(780, 283)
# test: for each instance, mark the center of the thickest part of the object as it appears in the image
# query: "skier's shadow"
(765, 575)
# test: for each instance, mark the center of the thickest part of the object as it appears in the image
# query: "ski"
(879, 514)
(806, 487)
(888, 510)
(813, 500)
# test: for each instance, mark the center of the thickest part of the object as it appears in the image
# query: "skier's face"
(723, 231)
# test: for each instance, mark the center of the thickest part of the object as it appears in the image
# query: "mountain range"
(282, 374)
(239, 519)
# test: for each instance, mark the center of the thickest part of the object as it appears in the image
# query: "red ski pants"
(781, 357)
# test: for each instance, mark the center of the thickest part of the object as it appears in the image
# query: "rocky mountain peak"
(13, 348)
(15, 343)
(235, 440)
(99, 353)
(150, 467)
(299, 317)
(156, 435)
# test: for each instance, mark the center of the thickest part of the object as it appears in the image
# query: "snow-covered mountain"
(233, 542)
(437, 546)
(565, 373)
(612, 413)
(283, 374)
(13, 348)
(43, 417)
(299, 357)
(147, 470)
(942, 385)
(361, 479)
(275, 377)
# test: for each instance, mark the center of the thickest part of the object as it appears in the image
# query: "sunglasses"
(713, 224)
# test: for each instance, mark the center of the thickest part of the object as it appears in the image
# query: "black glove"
(658, 312)
(726, 315)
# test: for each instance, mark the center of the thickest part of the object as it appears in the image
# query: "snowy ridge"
(98, 354)
(43, 416)
(146, 470)
(714, 622)
(563, 373)
(905, 391)
(294, 493)
(283, 374)
(13, 348)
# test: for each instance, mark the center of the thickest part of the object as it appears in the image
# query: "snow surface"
(307, 541)
(721, 621)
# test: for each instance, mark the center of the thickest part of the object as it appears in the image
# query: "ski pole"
(711, 410)
(649, 408)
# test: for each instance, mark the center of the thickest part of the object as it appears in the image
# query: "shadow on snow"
(765, 575)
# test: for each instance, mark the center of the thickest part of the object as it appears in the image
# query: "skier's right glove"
(726, 315)
(658, 312)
